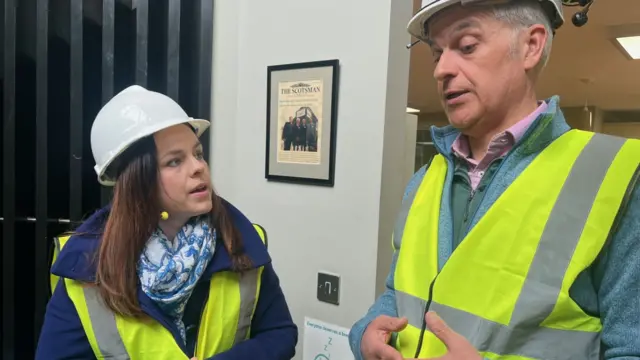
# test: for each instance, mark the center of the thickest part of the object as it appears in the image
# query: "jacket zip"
(472, 193)
(466, 209)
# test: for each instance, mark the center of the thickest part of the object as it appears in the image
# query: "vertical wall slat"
(142, 30)
(205, 37)
(40, 245)
(9, 182)
(108, 19)
(75, 111)
(173, 49)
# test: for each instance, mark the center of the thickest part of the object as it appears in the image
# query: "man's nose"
(446, 67)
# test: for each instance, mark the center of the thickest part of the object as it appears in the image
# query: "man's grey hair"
(521, 14)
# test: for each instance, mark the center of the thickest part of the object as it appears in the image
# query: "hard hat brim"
(415, 27)
(199, 126)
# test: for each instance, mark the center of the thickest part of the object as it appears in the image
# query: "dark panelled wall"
(61, 60)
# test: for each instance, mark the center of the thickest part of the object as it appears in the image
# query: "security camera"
(580, 18)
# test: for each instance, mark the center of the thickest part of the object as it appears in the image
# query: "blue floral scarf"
(169, 270)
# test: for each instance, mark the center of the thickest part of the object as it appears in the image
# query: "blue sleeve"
(618, 271)
(62, 335)
(386, 303)
(274, 335)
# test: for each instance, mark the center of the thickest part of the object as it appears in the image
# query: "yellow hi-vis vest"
(505, 288)
(225, 322)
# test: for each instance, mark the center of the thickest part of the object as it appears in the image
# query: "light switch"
(329, 288)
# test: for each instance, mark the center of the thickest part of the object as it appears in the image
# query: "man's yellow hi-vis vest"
(505, 288)
(226, 318)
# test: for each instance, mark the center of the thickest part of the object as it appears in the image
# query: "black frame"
(334, 64)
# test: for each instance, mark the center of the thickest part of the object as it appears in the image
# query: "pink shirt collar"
(499, 146)
(504, 140)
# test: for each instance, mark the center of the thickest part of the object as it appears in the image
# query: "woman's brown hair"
(134, 215)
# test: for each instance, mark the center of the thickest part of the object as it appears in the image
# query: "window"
(425, 149)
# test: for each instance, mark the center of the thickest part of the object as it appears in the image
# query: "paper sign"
(323, 341)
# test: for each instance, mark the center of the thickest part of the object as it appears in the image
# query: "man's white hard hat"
(416, 26)
(130, 115)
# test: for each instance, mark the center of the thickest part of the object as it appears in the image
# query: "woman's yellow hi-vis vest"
(226, 318)
(505, 288)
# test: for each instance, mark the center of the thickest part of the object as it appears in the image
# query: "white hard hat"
(132, 114)
(416, 27)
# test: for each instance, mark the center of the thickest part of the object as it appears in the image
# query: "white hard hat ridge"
(129, 116)
(415, 27)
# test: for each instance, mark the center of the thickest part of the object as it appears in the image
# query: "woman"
(168, 270)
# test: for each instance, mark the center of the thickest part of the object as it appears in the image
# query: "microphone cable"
(424, 315)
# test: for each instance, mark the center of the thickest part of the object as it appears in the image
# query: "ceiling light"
(412, 110)
(630, 44)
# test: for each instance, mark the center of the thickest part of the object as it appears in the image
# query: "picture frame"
(301, 124)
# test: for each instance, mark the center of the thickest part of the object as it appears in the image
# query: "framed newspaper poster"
(301, 122)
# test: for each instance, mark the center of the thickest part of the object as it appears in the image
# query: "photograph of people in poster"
(300, 122)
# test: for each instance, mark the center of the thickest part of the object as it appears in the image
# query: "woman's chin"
(201, 209)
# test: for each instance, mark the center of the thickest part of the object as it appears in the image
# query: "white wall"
(345, 229)
(411, 133)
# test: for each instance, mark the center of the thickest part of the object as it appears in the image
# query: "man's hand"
(458, 347)
(375, 340)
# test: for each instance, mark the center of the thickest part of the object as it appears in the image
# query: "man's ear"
(536, 38)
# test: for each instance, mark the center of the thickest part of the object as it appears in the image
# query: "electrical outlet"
(329, 288)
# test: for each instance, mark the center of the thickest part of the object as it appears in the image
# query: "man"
(297, 133)
(520, 239)
(303, 134)
(287, 134)
(312, 136)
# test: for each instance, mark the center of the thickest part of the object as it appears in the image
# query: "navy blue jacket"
(273, 334)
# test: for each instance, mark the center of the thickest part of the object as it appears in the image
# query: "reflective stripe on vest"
(225, 320)
(510, 296)
(58, 243)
